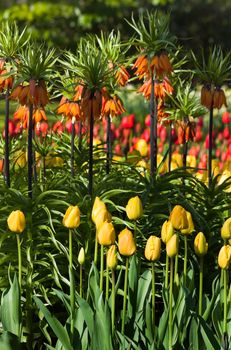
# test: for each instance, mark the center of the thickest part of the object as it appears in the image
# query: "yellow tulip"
(97, 207)
(81, 256)
(215, 167)
(167, 231)
(225, 176)
(191, 161)
(142, 147)
(153, 248)
(164, 167)
(71, 218)
(172, 246)
(226, 229)
(126, 243)
(224, 257)
(106, 234)
(177, 161)
(178, 218)
(112, 260)
(200, 244)
(102, 216)
(190, 228)
(134, 208)
(16, 221)
(20, 159)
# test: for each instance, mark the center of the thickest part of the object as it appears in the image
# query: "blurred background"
(61, 23)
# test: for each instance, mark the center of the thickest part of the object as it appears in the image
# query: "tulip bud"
(167, 231)
(106, 234)
(224, 257)
(200, 244)
(153, 248)
(71, 218)
(102, 216)
(97, 207)
(126, 243)
(190, 228)
(226, 229)
(16, 221)
(134, 208)
(172, 246)
(112, 257)
(178, 218)
(81, 256)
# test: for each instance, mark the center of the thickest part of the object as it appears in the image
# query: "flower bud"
(112, 257)
(188, 230)
(134, 208)
(172, 246)
(102, 216)
(224, 257)
(81, 256)
(178, 217)
(71, 218)
(16, 221)
(200, 244)
(153, 248)
(106, 234)
(226, 229)
(167, 231)
(126, 243)
(97, 207)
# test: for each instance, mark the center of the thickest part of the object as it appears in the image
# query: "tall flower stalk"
(213, 71)
(11, 42)
(34, 68)
(89, 67)
(153, 40)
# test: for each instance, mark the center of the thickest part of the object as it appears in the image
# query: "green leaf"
(9, 341)
(11, 308)
(60, 332)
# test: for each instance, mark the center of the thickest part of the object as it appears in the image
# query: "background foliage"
(62, 23)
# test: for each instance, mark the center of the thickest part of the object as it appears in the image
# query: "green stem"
(96, 249)
(101, 267)
(166, 271)
(176, 267)
(135, 230)
(185, 258)
(107, 283)
(29, 283)
(201, 285)
(19, 261)
(153, 295)
(225, 302)
(72, 285)
(125, 295)
(170, 304)
(113, 300)
(81, 281)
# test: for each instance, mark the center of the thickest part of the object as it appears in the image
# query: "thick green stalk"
(225, 302)
(72, 285)
(30, 150)
(7, 140)
(107, 283)
(170, 305)
(19, 260)
(210, 146)
(101, 267)
(29, 282)
(96, 249)
(176, 267)
(113, 300)
(81, 281)
(185, 258)
(125, 295)
(153, 295)
(201, 285)
(166, 271)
